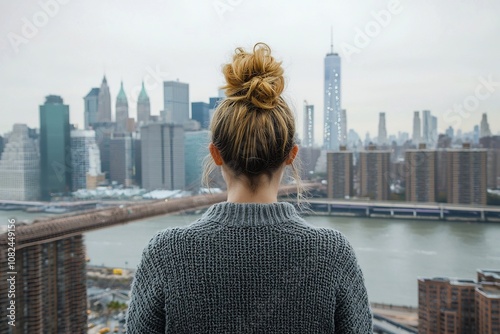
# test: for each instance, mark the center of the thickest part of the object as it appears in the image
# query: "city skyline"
(423, 126)
(403, 67)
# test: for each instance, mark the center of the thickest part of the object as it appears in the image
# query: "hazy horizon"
(411, 56)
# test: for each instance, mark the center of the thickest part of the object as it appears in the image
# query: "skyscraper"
(450, 132)
(94, 173)
(176, 102)
(442, 175)
(417, 131)
(333, 132)
(426, 127)
(136, 147)
(308, 129)
(85, 159)
(50, 289)
(493, 169)
(467, 176)
(121, 110)
(340, 172)
(492, 143)
(421, 175)
(143, 107)
(2, 145)
(201, 113)
(374, 167)
(343, 127)
(434, 131)
(20, 167)
(103, 132)
(485, 127)
(382, 130)
(162, 153)
(476, 134)
(104, 102)
(121, 162)
(213, 102)
(91, 105)
(55, 147)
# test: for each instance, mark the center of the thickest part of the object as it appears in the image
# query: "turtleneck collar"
(251, 214)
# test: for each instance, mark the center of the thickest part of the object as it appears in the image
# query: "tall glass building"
(162, 156)
(121, 167)
(104, 102)
(201, 112)
(334, 134)
(91, 105)
(426, 127)
(55, 147)
(176, 102)
(85, 158)
(417, 132)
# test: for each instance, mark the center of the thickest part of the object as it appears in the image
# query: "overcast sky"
(438, 55)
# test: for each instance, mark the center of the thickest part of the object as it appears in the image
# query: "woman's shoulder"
(302, 226)
(172, 236)
(169, 235)
(330, 240)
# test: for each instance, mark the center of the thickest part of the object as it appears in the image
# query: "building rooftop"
(143, 96)
(77, 133)
(490, 290)
(458, 281)
(53, 99)
(122, 97)
(452, 281)
(93, 92)
(490, 274)
(472, 149)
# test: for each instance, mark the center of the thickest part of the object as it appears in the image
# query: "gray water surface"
(391, 252)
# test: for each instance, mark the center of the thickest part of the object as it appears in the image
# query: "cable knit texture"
(249, 268)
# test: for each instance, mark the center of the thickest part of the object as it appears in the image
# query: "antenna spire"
(331, 39)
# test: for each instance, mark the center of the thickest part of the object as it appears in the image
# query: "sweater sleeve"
(352, 310)
(146, 311)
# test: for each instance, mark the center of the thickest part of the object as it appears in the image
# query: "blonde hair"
(253, 127)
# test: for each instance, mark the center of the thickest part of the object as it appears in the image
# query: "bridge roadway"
(33, 203)
(64, 226)
(406, 209)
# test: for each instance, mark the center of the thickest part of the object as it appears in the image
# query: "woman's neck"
(238, 190)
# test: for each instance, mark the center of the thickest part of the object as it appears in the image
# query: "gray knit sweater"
(249, 268)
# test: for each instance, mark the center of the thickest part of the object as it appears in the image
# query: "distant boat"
(35, 209)
(10, 207)
(53, 209)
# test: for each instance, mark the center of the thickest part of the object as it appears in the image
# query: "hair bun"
(256, 77)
